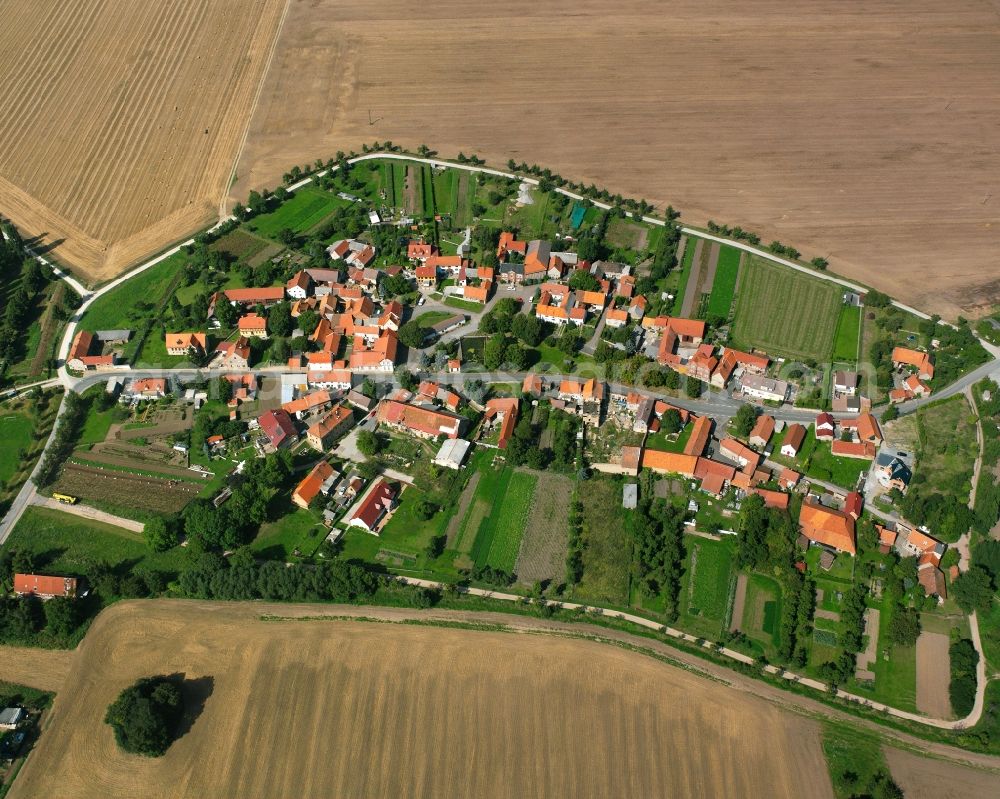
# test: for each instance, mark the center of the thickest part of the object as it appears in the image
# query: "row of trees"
(75, 409)
(17, 265)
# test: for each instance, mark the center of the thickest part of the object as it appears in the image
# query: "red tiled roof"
(700, 432)
(44, 585)
(307, 490)
(833, 528)
(379, 499)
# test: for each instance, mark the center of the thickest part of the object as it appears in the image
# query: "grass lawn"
(66, 544)
(845, 342)
(123, 306)
(824, 465)
(241, 244)
(762, 612)
(785, 312)
(15, 432)
(297, 529)
(96, 426)
(433, 317)
(308, 206)
(705, 586)
(853, 757)
(606, 545)
(662, 441)
(724, 288)
(464, 305)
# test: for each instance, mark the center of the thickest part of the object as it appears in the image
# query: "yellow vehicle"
(66, 499)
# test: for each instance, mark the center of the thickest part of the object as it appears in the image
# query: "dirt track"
(345, 708)
(859, 132)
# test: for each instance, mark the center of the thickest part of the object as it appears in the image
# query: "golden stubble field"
(862, 132)
(350, 708)
(120, 120)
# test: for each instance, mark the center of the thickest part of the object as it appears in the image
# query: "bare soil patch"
(126, 489)
(866, 659)
(933, 675)
(455, 523)
(46, 669)
(930, 778)
(121, 120)
(543, 547)
(345, 708)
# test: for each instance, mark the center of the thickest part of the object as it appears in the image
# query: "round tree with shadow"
(146, 715)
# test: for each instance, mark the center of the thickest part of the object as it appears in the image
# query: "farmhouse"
(185, 343)
(380, 357)
(830, 528)
(300, 286)
(278, 427)
(616, 317)
(309, 404)
(667, 462)
(762, 431)
(422, 422)
(866, 427)
(738, 452)
(862, 450)
(330, 379)
(731, 359)
(232, 354)
(702, 363)
(243, 387)
(701, 430)
(504, 410)
(378, 502)
(824, 427)
(845, 382)
(420, 251)
(764, 388)
(146, 388)
(252, 325)
(44, 586)
(795, 434)
(313, 484)
(921, 361)
(426, 276)
(79, 358)
(509, 244)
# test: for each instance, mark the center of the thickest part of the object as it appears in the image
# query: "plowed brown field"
(120, 120)
(864, 132)
(348, 708)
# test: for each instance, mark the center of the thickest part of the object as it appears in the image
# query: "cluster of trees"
(240, 577)
(964, 660)
(505, 318)
(931, 501)
(799, 605)
(765, 537)
(23, 618)
(744, 420)
(21, 299)
(145, 716)
(69, 425)
(493, 576)
(657, 530)
(523, 448)
(234, 523)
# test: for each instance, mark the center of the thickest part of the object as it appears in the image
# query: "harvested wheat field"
(349, 708)
(121, 120)
(927, 778)
(46, 669)
(861, 132)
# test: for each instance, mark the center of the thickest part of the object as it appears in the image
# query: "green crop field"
(606, 546)
(762, 611)
(724, 287)
(508, 520)
(301, 211)
(685, 273)
(845, 343)
(15, 432)
(705, 586)
(785, 312)
(122, 306)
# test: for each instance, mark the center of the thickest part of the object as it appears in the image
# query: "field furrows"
(341, 708)
(143, 105)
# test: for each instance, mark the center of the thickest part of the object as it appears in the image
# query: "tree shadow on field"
(195, 693)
